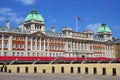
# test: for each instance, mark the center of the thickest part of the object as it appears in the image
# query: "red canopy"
(25, 58)
(72, 58)
(41, 58)
(118, 59)
(100, 59)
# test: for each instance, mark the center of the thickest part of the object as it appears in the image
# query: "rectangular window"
(44, 71)
(0, 44)
(29, 38)
(94, 70)
(13, 53)
(34, 38)
(42, 39)
(35, 69)
(18, 69)
(5, 53)
(37, 47)
(14, 45)
(38, 39)
(18, 37)
(0, 37)
(18, 54)
(23, 38)
(37, 54)
(18, 45)
(22, 54)
(28, 54)
(114, 72)
(28, 46)
(104, 71)
(79, 70)
(23, 45)
(72, 70)
(33, 54)
(5, 45)
(62, 69)
(50, 47)
(14, 37)
(6, 37)
(9, 71)
(86, 70)
(26, 69)
(42, 47)
(53, 69)
(33, 46)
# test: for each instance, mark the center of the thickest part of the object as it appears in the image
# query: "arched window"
(5, 53)
(50, 54)
(13, 53)
(33, 54)
(28, 54)
(37, 54)
(18, 54)
(22, 54)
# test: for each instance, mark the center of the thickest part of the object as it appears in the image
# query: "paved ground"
(37, 76)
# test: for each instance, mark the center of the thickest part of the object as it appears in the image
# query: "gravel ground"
(37, 76)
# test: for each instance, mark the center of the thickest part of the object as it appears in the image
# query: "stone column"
(48, 44)
(105, 51)
(44, 45)
(26, 40)
(71, 46)
(26, 44)
(66, 45)
(2, 44)
(80, 46)
(31, 43)
(83, 45)
(77, 46)
(35, 43)
(113, 51)
(40, 44)
(88, 47)
(9, 45)
(92, 46)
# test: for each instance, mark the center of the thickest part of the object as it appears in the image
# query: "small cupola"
(104, 29)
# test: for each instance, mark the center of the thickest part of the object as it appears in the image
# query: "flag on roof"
(78, 18)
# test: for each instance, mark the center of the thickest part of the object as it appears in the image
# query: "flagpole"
(76, 24)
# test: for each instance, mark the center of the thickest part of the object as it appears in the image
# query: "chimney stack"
(8, 24)
(21, 26)
(53, 29)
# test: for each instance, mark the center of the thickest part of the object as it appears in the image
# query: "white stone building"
(31, 39)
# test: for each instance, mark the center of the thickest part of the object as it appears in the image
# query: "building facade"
(31, 39)
(117, 48)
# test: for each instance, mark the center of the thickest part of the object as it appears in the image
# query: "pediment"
(38, 33)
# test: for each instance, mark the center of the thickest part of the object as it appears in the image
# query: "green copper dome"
(34, 16)
(104, 28)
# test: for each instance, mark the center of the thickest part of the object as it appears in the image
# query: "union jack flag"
(78, 18)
